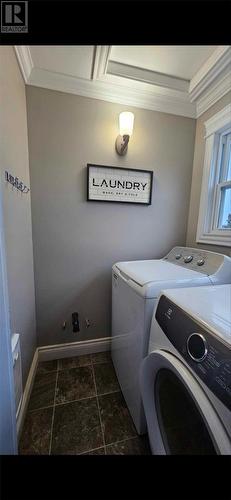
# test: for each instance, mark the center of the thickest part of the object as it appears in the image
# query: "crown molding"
(217, 63)
(163, 100)
(142, 86)
(212, 81)
(129, 85)
(147, 76)
(25, 60)
(103, 86)
(100, 61)
(218, 121)
(221, 86)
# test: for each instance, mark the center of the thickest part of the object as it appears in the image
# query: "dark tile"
(116, 420)
(47, 366)
(135, 446)
(43, 391)
(101, 357)
(76, 428)
(99, 451)
(35, 439)
(68, 363)
(105, 377)
(75, 384)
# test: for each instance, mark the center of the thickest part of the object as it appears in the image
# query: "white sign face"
(119, 184)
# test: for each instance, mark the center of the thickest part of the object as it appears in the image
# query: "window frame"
(207, 230)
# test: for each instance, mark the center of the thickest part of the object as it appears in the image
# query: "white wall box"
(17, 367)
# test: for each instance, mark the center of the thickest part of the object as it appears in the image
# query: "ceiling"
(178, 79)
(72, 60)
(181, 61)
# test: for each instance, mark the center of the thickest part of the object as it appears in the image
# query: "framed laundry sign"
(122, 185)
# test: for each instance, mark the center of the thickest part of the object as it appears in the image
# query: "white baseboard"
(73, 349)
(27, 393)
(58, 351)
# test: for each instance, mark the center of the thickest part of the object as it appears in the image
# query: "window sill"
(215, 239)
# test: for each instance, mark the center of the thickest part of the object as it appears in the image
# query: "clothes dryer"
(135, 288)
(186, 378)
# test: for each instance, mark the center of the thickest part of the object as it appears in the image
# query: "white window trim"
(205, 232)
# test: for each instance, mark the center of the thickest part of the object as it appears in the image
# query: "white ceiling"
(181, 61)
(70, 60)
(179, 79)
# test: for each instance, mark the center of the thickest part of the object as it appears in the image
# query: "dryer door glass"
(182, 426)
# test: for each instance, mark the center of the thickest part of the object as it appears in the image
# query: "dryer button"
(187, 259)
(200, 262)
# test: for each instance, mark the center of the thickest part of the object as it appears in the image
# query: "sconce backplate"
(121, 144)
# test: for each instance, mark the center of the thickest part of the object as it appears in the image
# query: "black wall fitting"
(75, 322)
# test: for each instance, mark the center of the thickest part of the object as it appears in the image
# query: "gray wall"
(76, 242)
(8, 439)
(198, 164)
(16, 206)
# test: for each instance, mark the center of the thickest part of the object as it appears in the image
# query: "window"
(214, 222)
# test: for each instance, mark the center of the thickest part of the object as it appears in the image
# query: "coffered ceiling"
(180, 61)
(183, 80)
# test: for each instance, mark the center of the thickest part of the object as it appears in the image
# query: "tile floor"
(76, 407)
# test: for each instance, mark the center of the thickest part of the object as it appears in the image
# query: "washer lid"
(147, 271)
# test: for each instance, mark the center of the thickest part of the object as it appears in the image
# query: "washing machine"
(135, 288)
(186, 378)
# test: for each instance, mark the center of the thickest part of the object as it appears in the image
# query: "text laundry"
(119, 184)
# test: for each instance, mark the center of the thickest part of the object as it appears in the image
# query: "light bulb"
(126, 120)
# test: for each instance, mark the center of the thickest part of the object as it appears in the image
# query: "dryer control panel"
(198, 260)
(208, 356)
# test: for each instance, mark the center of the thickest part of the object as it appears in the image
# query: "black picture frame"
(150, 172)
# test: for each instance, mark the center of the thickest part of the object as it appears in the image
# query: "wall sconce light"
(126, 120)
